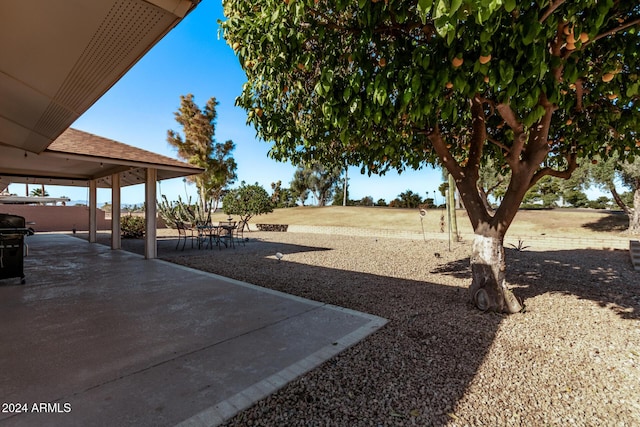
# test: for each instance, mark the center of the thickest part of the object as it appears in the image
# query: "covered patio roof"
(77, 157)
(59, 57)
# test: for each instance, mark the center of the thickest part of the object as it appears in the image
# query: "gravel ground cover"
(571, 358)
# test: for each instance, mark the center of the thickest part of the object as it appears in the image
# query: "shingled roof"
(74, 141)
(76, 157)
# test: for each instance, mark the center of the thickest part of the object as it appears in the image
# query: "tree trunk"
(634, 214)
(453, 219)
(488, 289)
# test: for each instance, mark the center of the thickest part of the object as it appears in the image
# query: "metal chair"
(182, 234)
(239, 232)
(226, 233)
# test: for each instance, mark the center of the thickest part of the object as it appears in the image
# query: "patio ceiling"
(76, 157)
(59, 57)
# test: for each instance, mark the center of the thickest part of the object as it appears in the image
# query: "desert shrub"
(132, 227)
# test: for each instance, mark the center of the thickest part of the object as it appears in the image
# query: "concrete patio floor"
(103, 337)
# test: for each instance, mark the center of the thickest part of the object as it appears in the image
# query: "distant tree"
(198, 147)
(337, 192)
(39, 192)
(605, 173)
(576, 198)
(282, 197)
(247, 201)
(381, 202)
(492, 182)
(407, 199)
(428, 203)
(322, 180)
(602, 202)
(544, 193)
(366, 201)
(300, 184)
(572, 190)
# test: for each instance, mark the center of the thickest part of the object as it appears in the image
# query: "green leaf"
(506, 72)
(406, 97)
(415, 83)
(424, 6)
(346, 94)
(455, 5)
(380, 95)
(509, 5)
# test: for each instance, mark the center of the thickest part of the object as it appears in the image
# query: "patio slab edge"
(228, 408)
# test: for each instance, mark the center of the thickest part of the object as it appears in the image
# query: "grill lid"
(11, 221)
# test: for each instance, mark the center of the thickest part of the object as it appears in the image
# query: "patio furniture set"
(208, 234)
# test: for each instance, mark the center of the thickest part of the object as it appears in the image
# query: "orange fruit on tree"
(607, 77)
(584, 37)
(457, 62)
(484, 59)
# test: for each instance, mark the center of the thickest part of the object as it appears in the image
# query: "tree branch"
(618, 199)
(438, 143)
(509, 117)
(537, 146)
(579, 95)
(564, 174)
(600, 36)
(556, 50)
(612, 31)
(499, 144)
(479, 135)
(552, 8)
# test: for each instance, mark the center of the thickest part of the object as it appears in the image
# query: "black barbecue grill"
(12, 232)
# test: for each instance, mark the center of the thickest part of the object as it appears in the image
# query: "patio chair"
(238, 233)
(182, 234)
(226, 231)
(203, 233)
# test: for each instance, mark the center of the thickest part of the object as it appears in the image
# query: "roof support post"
(116, 241)
(93, 211)
(150, 244)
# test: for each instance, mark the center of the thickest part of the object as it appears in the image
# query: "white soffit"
(58, 57)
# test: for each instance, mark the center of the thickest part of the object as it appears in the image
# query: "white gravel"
(571, 358)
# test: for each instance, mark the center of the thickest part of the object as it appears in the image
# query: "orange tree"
(535, 86)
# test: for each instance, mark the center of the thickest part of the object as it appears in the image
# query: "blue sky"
(138, 110)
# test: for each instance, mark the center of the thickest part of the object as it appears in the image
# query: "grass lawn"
(556, 222)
